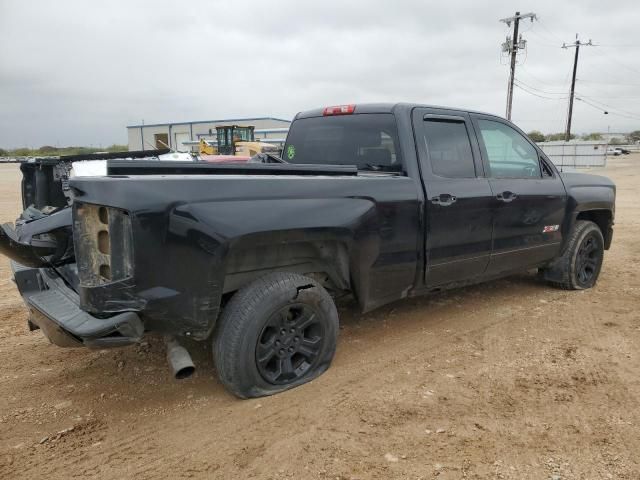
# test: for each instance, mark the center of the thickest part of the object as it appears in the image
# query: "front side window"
(449, 148)
(510, 155)
(368, 141)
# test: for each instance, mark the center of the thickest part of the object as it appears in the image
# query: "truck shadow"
(139, 375)
(445, 301)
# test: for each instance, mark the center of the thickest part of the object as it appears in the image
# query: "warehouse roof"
(222, 120)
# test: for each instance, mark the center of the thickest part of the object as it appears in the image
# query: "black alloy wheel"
(589, 259)
(289, 344)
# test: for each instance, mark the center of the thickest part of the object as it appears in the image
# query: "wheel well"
(327, 262)
(603, 219)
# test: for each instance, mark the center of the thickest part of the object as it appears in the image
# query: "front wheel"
(276, 333)
(579, 266)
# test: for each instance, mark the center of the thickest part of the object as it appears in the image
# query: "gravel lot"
(510, 379)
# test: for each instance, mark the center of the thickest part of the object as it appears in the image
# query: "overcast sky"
(78, 72)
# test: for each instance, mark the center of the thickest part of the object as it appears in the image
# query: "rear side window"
(368, 141)
(449, 148)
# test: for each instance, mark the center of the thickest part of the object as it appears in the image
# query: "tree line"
(49, 151)
(538, 136)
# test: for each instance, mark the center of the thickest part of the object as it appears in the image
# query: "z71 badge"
(550, 228)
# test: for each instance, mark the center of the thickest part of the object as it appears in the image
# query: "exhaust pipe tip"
(179, 359)
(184, 372)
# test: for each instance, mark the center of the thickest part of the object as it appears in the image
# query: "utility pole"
(512, 45)
(567, 135)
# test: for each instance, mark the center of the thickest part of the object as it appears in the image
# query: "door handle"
(506, 196)
(444, 199)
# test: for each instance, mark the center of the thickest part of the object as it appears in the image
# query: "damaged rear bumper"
(40, 241)
(54, 308)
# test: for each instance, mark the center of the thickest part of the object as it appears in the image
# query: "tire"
(579, 266)
(276, 333)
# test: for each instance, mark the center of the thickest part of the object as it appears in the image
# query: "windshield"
(368, 141)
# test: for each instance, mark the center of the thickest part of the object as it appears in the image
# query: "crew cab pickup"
(379, 201)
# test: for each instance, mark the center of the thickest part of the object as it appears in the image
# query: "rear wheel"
(276, 333)
(579, 266)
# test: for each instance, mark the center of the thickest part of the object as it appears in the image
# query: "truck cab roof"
(397, 107)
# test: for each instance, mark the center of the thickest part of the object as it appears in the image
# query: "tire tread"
(236, 319)
(564, 265)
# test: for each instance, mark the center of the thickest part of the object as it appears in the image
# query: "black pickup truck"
(379, 201)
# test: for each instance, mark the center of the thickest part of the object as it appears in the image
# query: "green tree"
(592, 136)
(536, 136)
(634, 136)
(117, 148)
(558, 136)
(22, 152)
(47, 149)
(3, 152)
(616, 141)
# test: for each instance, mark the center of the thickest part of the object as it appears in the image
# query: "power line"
(516, 43)
(594, 92)
(588, 99)
(512, 46)
(537, 92)
(607, 112)
(537, 79)
(614, 60)
(611, 98)
(557, 99)
(556, 85)
(608, 107)
(523, 88)
(611, 83)
(546, 41)
(544, 27)
(628, 45)
(541, 90)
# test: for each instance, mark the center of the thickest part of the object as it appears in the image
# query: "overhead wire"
(629, 45)
(609, 112)
(537, 79)
(590, 99)
(539, 89)
(545, 40)
(544, 27)
(608, 108)
(524, 87)
(614, 60)
(610, 83)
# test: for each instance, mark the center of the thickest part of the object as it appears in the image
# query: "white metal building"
(178, 135)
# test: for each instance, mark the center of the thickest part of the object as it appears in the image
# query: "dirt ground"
(510, 379)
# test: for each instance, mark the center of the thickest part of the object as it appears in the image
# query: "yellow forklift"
(238, 141)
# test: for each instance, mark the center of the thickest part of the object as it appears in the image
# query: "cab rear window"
(368, 141)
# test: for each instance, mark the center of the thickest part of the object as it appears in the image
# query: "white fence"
(576, 154)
